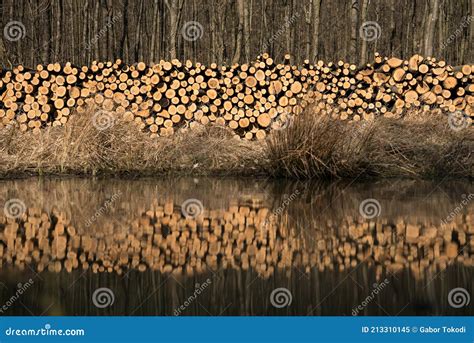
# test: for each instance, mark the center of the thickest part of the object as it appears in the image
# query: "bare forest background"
(228, 31)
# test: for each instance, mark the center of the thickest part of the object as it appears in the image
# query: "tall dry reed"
(80, 148)
(421, 144)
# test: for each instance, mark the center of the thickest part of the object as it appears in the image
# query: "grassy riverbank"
(422, 144)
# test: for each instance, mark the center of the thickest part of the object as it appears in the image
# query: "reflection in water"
(156, 244)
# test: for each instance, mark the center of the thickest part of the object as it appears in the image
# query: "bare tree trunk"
(124, 39)
(288, 10)
(363, 48)
(220, 37)
(471, 31)
(49, 46)
(430, 26)
(173, 9)
(154, 34)
(85, 33)
(217, 24)
(212, 29)
(392, 50)
(263, 26)
(415, 40)
(354, 30)
(110, 35)
(238, 39)
(96, 53)
(72, 46)
(3, 55)
(315, 11)
(236, 30)
(247, 23)
(138, 46)
(57, 45)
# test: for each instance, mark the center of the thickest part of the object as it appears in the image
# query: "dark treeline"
(227, 31)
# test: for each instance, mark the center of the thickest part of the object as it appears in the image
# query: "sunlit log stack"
(248, 98)
(241, 236)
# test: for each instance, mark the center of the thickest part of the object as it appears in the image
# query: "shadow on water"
(210, 246)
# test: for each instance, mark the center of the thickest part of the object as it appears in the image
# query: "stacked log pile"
(241, 236)
(250, 98)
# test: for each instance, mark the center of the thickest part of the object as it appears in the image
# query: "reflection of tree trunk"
(354, 31)
(363, 48)
(315, 12)
(429, 27)
(240, 28)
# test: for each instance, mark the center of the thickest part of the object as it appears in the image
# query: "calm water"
(208, 246)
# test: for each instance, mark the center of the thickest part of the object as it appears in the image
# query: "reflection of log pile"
(240, 237)
(248, 98)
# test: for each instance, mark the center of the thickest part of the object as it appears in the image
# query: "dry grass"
(314, 145)
(419, 145)
(80, 148)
